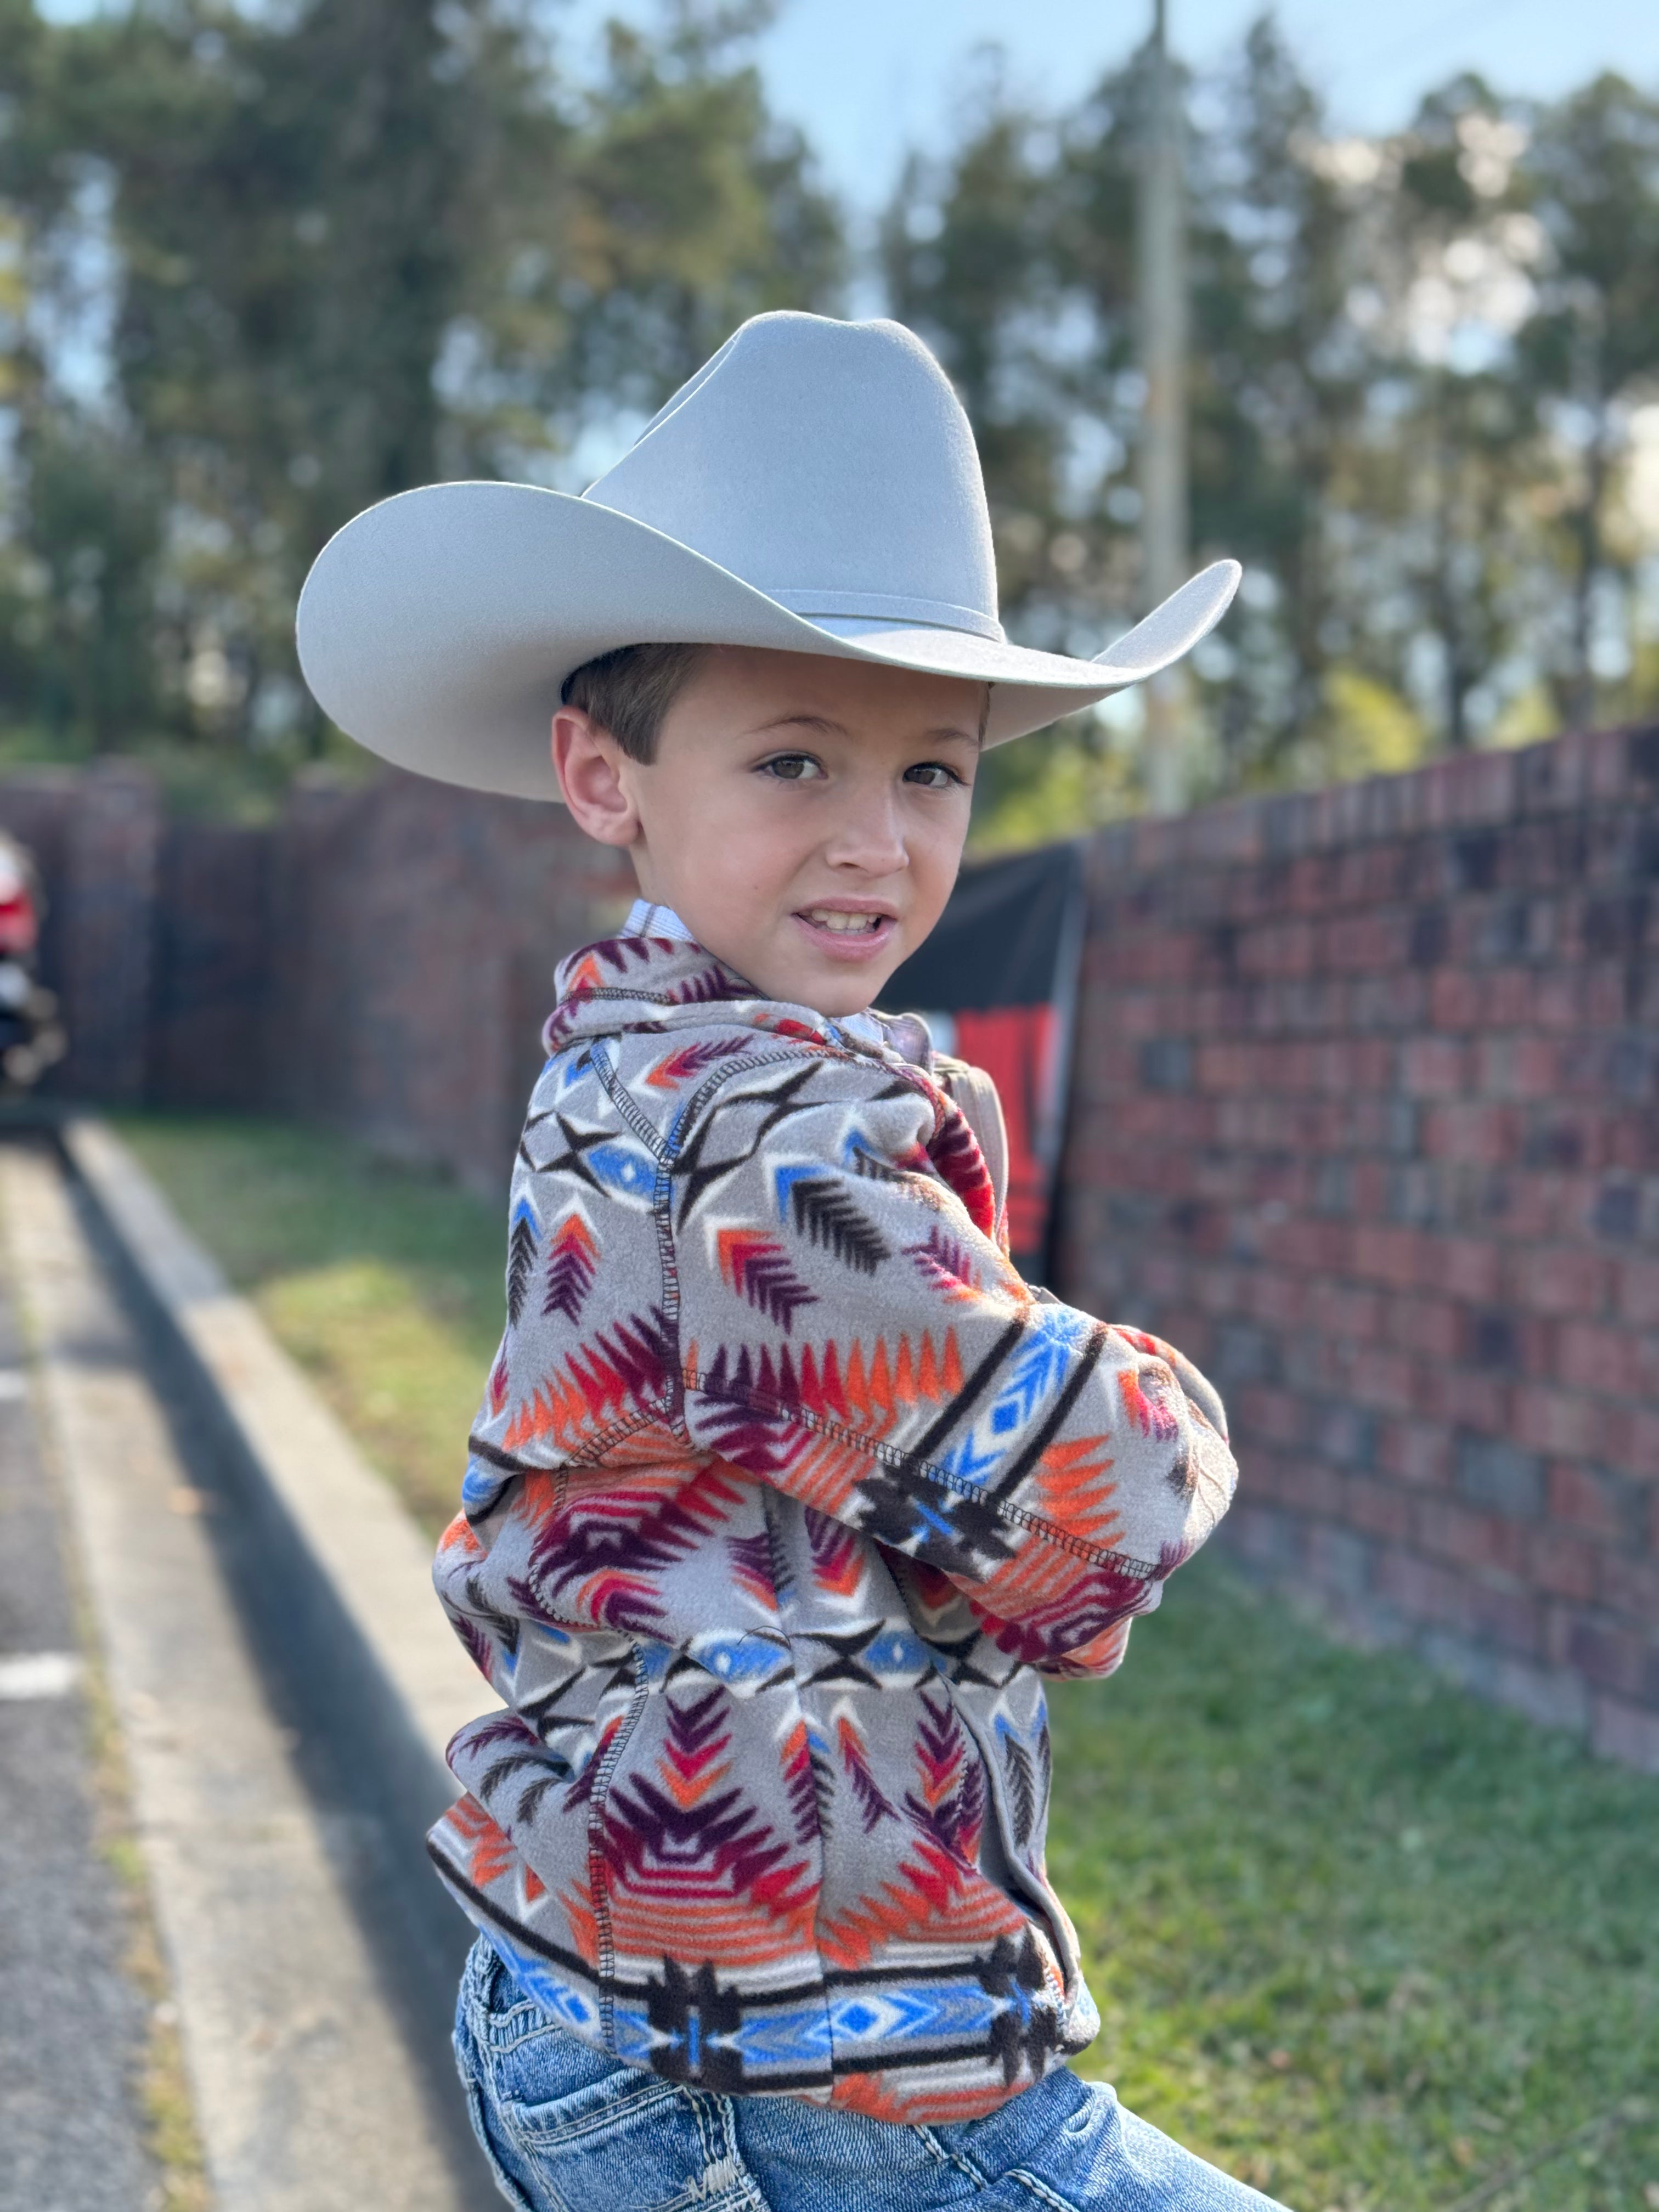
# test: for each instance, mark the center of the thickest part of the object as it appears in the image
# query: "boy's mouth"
(847, 931)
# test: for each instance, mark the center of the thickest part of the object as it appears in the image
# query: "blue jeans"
(567, 2129)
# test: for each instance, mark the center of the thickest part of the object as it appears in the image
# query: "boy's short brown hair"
(628, 692)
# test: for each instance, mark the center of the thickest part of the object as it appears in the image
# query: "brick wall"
(1366, 1116)
(96, 838)
(213, 956)
(417, 928)
(379, 958)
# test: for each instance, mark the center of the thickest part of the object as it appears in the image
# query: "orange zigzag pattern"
(1070, 1489)
(488, 1850)
(594, 1386)
(938, 1903)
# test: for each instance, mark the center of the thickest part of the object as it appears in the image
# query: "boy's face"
(804, 817)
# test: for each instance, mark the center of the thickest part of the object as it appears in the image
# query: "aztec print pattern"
(785, 1494)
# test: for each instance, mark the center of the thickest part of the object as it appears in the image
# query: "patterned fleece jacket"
(785, 1493)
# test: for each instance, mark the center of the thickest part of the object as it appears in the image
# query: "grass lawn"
(1354, 1936)
(386, 1285)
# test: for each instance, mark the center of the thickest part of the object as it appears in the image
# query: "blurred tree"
(367, 242)
(260, 268)
(1447, 460)
(685, 209)
(1280, 380)
(84, 627)
(968, 253)
(1591, 174)
(1414, 366)
(1013, 256)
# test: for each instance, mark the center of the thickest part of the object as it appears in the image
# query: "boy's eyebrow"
(805, 721)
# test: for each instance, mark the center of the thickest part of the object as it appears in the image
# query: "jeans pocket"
(629, 2142)
(479, 2111)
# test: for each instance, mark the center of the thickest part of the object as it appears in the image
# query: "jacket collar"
(662, 983)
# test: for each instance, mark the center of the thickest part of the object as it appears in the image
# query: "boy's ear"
(588, 762)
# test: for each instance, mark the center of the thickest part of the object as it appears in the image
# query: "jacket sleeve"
(850, 1333)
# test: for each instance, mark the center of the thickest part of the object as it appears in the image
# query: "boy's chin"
(835, 995)
(840, 997)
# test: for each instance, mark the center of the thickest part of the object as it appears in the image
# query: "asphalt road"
(72, 2025)
(316, 2057)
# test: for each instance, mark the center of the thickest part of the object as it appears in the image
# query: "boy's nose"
(869, 837)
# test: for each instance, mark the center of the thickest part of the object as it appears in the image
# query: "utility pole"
(1161, 239)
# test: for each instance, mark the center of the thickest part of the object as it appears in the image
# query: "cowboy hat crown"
(803, 447)
(814, 488)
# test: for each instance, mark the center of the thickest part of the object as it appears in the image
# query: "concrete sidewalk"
(74, 2020)
(308, 2095)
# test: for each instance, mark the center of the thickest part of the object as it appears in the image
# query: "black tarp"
(996, 983)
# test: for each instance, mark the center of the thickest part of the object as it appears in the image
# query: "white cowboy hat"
(815, 487)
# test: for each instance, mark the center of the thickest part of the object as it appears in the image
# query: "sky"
(866, 78)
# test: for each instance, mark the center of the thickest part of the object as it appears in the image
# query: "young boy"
(786, 1492)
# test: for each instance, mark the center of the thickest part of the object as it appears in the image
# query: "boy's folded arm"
(850, 1335)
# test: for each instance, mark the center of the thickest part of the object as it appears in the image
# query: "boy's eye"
(933, 776)
(792, 768)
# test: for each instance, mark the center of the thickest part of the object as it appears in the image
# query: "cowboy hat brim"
(438, 628)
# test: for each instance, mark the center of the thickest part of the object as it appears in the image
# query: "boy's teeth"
(843, 923)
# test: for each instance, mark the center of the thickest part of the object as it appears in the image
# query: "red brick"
(1597, 1356)
(1362, 943)
(1468, 1267)
(1267, 1473)
(1434, 1067)
(1314, 1488)
(1511, 1619)
(1278, 948)
(1540, 1208)
(1518, 1066)
(1431, 1327)
(1384, 1255)
(1630, 1141)
(1486, 1135)
(1638, 1293)
(1447, 1530)
(1369, 1185)
(1583, 1498)
(1384, 1379)
(1348, 1312)
(1630, 1585)
(1393, 1002)
(1606, 760)
(1555, 1421)
(1416, 1451)
(1509, 997)
(1419, 1587)
(1566, 1566)
(1316, 1248)
(1612, 1657)
(1458, 999)
(1625, 1732)
(1275, 1415)
(1376, 1509)
(1562, 1278)
(1277, 1298)
(1224, 1067)
(1629, 1440)
(1462, 1398)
